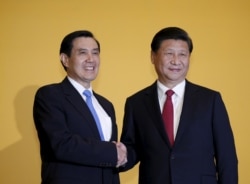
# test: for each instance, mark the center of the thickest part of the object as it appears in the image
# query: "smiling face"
(171, 61)
(83, 63)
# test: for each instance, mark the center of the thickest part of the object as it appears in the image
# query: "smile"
(89, 68)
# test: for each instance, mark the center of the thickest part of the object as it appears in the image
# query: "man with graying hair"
(77, 127)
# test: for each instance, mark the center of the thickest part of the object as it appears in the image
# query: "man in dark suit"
(197, 145)
(74, 149)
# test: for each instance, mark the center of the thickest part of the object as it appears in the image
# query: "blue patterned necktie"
(88, 95)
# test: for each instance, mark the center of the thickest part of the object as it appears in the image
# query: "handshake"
(121, 154)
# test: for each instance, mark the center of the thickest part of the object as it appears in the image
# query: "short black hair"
(67, 42)
(167, 33)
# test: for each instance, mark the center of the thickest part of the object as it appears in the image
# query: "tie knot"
(87, 93)
(169, 93)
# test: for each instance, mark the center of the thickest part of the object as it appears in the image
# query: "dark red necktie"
(168, 116)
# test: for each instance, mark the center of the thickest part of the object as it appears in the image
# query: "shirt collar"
(178, 89)
(78, 86)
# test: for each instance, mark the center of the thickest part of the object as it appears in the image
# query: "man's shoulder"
(199, 87)
(52, 88)
(148, 90)
(48, 87)
(194, 87)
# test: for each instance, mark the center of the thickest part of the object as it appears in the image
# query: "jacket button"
(172, 157)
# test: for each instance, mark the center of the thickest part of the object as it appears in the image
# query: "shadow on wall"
(20, 162)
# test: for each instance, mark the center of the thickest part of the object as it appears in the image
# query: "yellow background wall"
(31, 32)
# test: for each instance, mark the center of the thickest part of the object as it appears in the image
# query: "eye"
(83, 52)
(169, 54)
(183, 54)
(96, 52)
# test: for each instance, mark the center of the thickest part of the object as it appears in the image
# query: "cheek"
(76, 67)
(98, 63)
(186, 63)
(185, 68)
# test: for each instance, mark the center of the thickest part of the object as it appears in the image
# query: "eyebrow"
(84, 49)
(170, 49)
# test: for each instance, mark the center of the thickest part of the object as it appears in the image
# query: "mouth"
(174, 69)
(90, 68)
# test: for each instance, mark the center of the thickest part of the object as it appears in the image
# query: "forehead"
(174, 44)
(84, 42)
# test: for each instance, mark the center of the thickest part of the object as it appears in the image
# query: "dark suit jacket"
(71, 149)
(204, 150)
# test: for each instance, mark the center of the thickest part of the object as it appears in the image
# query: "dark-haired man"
(78, 144)
(182, 138)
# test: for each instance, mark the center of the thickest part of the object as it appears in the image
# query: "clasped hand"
(121, 154)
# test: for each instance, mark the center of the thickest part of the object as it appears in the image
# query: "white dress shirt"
(177, 100)
(105, 120)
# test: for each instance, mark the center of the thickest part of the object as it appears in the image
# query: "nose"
(175, 59)
(89, 57)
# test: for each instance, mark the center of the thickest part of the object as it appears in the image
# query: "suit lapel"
(78, 103)
(186, 114)
(107, 108)
(152, 105)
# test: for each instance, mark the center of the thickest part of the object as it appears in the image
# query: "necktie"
(168, 116)
(88, 94)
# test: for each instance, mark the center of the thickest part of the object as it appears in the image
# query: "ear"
(152, 57)
(64, 59)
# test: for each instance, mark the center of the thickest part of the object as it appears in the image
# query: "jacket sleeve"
(128, 137)
(225, 151)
